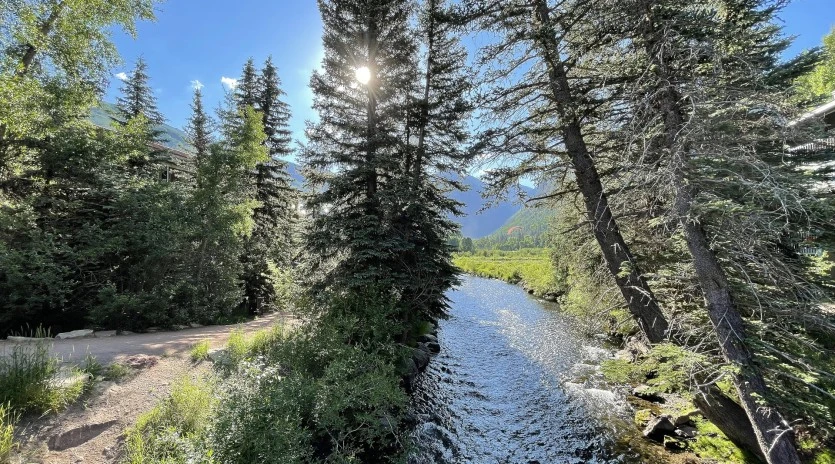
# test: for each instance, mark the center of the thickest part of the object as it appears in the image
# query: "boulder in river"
(658, 427)
(434, 347)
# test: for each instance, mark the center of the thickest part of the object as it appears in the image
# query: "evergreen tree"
(275, 111)
(246, 92)
(355, 150)
(137, 96)
(271, 243)
(434, 158)
(199, 127)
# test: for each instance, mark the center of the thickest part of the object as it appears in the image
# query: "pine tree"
(199, 128)
(354, 156)
(276, 112)
(246, 92)
(434, 158)
(272, 240)
(137, 96)
(551, 135)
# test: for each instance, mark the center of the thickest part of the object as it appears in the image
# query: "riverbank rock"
(84, 333)
(421, 356)
(434, 347)
(104, 333)
(674, 444)
(685, 418)
(658, 427)
(428, 338)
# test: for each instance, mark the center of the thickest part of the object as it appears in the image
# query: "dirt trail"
(110, 349)
(93, 428)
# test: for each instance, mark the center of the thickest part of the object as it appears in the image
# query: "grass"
(172, 432)
(200, 351)
(242, 347)
(29, 380)
(7, 421)
(532, 268)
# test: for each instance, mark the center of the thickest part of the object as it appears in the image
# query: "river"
(503, 388)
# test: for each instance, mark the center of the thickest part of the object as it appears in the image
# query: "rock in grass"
(685, 418)
(84, 333)
(645, 392)
(687, 431)
(658, 427)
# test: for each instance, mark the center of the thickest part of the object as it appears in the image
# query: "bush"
(327, 392)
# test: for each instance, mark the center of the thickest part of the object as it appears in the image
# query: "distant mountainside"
(528, 220)
(474, 224)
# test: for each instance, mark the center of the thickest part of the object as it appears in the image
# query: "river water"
(504, 390)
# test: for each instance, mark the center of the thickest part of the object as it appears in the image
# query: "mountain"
(476, 223)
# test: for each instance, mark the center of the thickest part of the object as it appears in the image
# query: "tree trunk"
(773, 434)
(730, 418)
(639, 298)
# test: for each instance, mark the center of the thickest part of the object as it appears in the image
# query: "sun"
(363, 74)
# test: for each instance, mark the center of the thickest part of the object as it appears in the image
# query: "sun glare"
(363, 74)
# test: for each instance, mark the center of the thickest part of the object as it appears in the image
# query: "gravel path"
(95, 425)
(109, 349)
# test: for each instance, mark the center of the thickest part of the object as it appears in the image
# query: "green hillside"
(527, 228)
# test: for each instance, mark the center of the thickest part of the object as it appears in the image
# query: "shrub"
(200, 351)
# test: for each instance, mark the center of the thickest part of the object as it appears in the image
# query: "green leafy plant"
(200, 351)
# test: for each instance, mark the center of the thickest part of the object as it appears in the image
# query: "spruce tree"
(354, 155)
(276, 112)
(272, 240)
(433, 161)
(199, 127)
(246, 92)
(137, 96)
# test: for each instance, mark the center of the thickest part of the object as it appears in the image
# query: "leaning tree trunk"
(773, 434)
(639, 298)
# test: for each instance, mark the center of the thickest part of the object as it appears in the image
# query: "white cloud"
(197, 85)
(229, 82)
(121, 76)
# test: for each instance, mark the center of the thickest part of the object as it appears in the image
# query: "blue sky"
(206, 40)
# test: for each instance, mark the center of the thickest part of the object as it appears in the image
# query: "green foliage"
(329, 392)
(174, 431)
(532, 268)
(820, 82)
(666, 368)
(200, 351)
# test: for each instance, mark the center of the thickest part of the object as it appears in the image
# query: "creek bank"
(426, 346)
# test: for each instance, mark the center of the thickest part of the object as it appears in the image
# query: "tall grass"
(7, 420)
(29, 380)
(200, 351)
(532, 268)
(173, 431)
